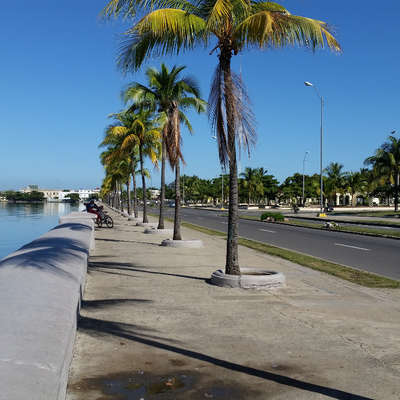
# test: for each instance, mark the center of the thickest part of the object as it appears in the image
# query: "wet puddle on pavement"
(142, 385)
(138, 387)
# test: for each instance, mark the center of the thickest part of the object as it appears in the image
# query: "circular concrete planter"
(159, 231)
(189, 244)
(250, 278)
(147, 224)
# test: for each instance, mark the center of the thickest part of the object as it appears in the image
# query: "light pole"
(222, 181)
(222, 189)
(183, 186)
(321, 212)
(304, 161)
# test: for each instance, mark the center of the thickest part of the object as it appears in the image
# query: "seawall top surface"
(40, 288)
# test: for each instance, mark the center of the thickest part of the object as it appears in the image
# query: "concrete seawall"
(41, 285)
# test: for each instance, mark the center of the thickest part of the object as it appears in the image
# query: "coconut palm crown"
(172, 26)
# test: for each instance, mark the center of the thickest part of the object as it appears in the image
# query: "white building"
(61, 195)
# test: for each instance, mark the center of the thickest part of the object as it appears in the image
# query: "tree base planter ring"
(190, 244)
(159, 231)
(250, 278)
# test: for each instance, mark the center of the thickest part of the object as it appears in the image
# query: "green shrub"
(272, 216)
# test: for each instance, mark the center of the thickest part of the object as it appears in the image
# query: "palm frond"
(161, 32)
(216, 115)
(278, 29)
(244, 120)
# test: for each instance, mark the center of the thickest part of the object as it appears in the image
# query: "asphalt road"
(378, 255)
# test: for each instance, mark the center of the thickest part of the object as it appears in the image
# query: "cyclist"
(93, 208)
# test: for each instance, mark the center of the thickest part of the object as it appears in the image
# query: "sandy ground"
(152, 327)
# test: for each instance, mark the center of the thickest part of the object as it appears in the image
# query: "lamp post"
(304, 161)
(183, 186)
(222, 181)
(321, 213)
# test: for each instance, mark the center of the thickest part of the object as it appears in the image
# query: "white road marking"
(266, 230)
(352, 247)
(224, 223)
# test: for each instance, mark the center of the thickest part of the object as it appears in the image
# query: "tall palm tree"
(167, 93)
(386, 165)
(172, 26)
(138, 129)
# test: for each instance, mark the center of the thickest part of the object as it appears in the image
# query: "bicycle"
(104, 218)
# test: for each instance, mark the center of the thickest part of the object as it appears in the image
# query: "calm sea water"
(22, 223)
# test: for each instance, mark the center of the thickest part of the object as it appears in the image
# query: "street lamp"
(304, 161)
(321, 213)
(222, 181)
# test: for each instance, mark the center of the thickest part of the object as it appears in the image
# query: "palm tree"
(355, 182)
(335, 182)
(137, 129)
(169, 94)
(386, 165)
(252, 181)
(172, 26)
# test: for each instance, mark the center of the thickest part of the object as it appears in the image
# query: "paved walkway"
(153, 328)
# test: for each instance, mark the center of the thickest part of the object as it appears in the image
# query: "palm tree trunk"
(232, 256)
(128, 189)
(145, 220)
(162, 194)
(135, 205)
(117, 199)
(121, 196)
(177, 218)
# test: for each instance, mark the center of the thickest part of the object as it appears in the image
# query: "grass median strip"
(349, 274)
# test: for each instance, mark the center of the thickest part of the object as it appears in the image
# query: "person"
(93, 208)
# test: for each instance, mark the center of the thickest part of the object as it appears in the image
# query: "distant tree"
(355, 183)
(386, 166)
(74, 197)
(335, 182)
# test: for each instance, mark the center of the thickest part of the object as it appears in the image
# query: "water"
(22, 223)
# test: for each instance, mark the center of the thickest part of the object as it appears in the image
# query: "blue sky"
(59, 82)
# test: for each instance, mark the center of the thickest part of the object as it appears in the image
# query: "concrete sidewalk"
(152, 328)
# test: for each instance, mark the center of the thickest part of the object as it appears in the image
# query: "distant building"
(61, 195)
(154, 193)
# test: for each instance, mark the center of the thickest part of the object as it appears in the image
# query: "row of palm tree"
(382, 178)
(163, 27)
(150, 127)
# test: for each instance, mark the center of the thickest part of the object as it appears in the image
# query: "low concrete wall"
(40, 290)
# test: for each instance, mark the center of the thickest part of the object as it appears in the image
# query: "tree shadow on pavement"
(131, 267)
(101, 304)
(102, 327)
(128, 241)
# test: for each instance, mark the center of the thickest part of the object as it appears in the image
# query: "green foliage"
(272, 216)
(33, 196)
(74, 197)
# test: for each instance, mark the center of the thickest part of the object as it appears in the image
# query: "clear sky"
(59, 82)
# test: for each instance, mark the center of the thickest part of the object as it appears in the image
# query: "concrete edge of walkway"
(41, 286)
